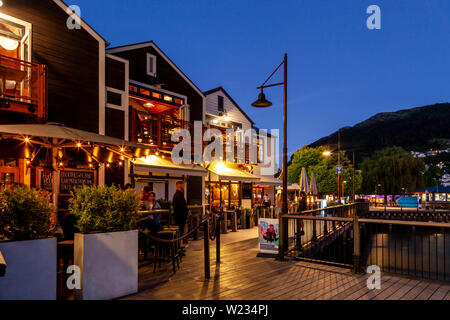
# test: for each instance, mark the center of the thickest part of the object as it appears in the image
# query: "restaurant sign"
(72, 179)
(268, 235)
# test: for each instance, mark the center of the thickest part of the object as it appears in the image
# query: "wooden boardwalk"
(243, 276)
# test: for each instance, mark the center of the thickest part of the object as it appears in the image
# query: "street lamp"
(262, 102)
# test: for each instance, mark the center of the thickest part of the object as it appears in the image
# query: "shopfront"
(227, 187)
(161, 175)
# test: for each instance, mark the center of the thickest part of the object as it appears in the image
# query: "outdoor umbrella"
(313, 185)
(304, 181)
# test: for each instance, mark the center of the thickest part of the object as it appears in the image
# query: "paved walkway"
(243, 276)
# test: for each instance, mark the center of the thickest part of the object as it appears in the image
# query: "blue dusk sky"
(340, 72)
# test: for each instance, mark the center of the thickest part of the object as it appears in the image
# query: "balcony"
(23, 87)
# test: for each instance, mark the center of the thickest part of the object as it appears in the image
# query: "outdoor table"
(146, 213)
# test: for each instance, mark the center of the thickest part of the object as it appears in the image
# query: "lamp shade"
(262, 102)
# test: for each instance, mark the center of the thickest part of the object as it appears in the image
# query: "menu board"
(46, 181)
(247, 190)
(72, 179)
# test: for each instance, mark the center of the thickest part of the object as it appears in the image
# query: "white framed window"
(151, 65)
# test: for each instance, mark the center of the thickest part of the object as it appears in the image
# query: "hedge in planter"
(106, 250)
(25, 214)
(104, 209)
(25, 227)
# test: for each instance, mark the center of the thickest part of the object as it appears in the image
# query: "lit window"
(151, 65)
(145, 92)
(156, 95)
(178, 101)
(168, 98)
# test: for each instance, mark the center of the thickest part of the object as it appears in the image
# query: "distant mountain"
(417, 129)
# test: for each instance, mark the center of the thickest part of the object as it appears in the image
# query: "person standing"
(180, 209)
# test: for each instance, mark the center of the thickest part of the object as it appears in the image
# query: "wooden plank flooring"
(243, 276)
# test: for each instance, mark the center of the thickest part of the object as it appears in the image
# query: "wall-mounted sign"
(71, 179)
(338, 169)
(268, 235)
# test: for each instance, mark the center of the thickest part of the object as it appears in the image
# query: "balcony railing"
(23, 87)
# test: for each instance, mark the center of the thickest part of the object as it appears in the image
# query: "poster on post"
(268, 236)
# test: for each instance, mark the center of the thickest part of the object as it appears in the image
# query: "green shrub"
(104, 209)
(25, 214)
(165, 204)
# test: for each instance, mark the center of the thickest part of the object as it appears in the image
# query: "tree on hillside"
(324, 169)
(392, 171)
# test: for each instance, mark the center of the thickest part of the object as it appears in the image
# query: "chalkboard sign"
(46, 181)
(247, 190)
(71, 179)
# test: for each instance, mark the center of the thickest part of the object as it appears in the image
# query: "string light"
(79, 145)
(27, 140)
(122, 149)
(61, 164)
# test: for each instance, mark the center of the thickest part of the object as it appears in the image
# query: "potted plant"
(106, 249)
(27, 245)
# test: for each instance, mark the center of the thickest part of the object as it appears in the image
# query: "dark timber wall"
(72, 60)
(172, 80)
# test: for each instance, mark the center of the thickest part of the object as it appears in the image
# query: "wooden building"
(53, 73)
(161, 99)
(236, 182)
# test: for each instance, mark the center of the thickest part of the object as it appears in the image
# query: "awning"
(269, 181)
(159, 165)
(291, 187)
(227, 173)
(62, 132)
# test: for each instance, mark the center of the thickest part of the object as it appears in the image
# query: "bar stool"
(178, 247)
(166, 250)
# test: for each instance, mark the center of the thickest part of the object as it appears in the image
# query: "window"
(114, 98)
(220, 103)
(151, 65)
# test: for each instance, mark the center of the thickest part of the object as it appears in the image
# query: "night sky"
(340, 72)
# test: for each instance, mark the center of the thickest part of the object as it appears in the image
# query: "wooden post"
(218, 238)
(206, 248)
(356, 245)
(234, 221)
(283, 232)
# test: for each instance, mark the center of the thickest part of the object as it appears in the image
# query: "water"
(415, 251)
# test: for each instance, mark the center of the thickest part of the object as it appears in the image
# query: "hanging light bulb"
(8, 43)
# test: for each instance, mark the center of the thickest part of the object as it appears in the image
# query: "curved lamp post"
(262, 102)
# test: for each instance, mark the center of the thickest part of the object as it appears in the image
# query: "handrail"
(2, 265)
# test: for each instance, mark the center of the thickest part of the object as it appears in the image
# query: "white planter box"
(108, 264)
(31, 270)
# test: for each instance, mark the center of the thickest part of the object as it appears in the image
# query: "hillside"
(417, 129)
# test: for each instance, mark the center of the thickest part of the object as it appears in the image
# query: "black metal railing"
(411, 248)
(420, 249)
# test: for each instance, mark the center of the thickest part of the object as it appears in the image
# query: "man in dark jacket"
(180, 209)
